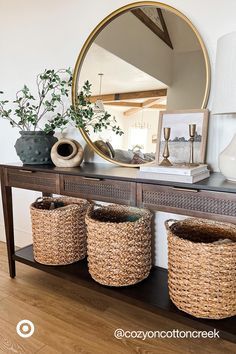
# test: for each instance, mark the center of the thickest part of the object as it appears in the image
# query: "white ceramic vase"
(227, 161)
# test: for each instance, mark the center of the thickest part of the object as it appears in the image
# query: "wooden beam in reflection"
(162, 32)
(123, 104)
(159, 106)
(146, 104)
(132, 111)
(129, 95)
(149, 102)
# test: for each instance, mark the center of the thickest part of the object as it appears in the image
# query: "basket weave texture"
(119, 251)
(59, 235)
(202, 267)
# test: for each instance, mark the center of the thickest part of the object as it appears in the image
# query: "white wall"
(35, 35)
(189, 83)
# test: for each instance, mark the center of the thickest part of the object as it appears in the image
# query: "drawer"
(33, 180)
(198, 203)
(106, 190)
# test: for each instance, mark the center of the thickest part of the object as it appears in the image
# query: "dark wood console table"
(212, 198)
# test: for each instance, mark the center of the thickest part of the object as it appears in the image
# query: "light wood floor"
(71, 319)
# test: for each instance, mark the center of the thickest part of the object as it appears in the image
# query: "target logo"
(25, 328)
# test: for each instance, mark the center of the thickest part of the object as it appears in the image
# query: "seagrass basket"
(202, 267)
(59, 235)
(119, 244)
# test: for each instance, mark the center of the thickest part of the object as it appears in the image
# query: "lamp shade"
(224, 101)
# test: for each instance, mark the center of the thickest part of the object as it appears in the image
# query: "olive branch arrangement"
(85, 116)
(29, 112)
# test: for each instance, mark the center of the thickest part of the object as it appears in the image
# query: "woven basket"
(202, 267)
(59, 235)
(119, 244)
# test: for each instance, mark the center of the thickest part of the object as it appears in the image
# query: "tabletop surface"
(216, 181)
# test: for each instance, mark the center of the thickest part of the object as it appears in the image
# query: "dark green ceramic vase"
(34, 148)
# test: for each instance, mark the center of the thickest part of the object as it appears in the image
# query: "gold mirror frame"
(94, 34)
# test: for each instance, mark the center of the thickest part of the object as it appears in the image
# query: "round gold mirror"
(143, 58)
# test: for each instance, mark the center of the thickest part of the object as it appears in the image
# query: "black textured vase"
(34, 148)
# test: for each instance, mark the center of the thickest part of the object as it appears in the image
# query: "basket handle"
(169, 223)
(94, 204)
(39, 199)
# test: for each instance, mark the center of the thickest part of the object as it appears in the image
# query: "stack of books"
(175, 173)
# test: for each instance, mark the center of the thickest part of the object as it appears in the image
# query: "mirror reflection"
(144, 61)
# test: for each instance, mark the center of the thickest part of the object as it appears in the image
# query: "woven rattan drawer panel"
(34, 180)
(99, 189)
(198, 203)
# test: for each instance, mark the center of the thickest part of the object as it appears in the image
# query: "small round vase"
(67, 153)
(34, 148)
(227, 161)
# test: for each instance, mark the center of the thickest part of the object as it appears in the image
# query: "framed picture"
(179, 146)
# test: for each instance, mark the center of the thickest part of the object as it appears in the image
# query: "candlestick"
(192, 132)
(166, 153)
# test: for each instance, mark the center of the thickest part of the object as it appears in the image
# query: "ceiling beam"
(159, 106)
(162, 33)
(148, 103)
(129, 95)
(132, 111)
(123, 104)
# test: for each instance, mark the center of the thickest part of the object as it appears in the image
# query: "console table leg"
(9, 229)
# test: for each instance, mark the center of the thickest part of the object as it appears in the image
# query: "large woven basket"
(119, 244)
(59, 235)
(202, 267)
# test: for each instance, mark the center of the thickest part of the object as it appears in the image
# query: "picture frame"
(179, 147)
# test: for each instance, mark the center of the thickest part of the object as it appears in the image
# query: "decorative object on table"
(202, 267)
(166, 153)
(105, 147)
(131, 91)
(119, 244)
(176, 173)
(36, 141)
(192, 133)
(34, 145)
(179, 122)
(59, 230)
(227, 160)
(67, 153)
(224, 101)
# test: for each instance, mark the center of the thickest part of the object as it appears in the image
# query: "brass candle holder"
(192, 132)
(166, 153)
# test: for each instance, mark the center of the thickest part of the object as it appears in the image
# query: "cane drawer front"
(106, 190)
(33, 180)
(199, 203)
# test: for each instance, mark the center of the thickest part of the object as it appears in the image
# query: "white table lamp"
(225, 97)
